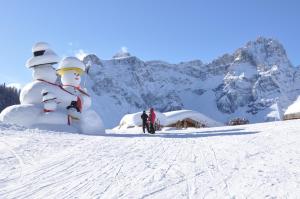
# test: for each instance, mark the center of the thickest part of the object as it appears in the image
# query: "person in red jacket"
(152, 118)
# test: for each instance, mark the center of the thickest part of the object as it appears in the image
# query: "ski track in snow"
(251, 161)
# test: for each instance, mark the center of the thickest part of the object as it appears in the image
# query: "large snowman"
(43, 101)
(44, 76)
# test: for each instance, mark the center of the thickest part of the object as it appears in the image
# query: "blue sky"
(169, 30)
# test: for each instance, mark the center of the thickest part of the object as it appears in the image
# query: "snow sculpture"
(79, 111)
(44, 102)
(50, 101)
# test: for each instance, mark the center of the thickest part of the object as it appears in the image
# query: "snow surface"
(250, 161)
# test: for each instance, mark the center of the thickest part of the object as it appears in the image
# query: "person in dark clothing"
(152, 118)
(144, 117)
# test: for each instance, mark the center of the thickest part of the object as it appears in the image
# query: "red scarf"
(77, 88)
(48, 111)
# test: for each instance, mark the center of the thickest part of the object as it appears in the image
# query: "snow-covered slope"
(257, 82)
(251, 161)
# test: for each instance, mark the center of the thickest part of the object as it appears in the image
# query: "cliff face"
(257, 81)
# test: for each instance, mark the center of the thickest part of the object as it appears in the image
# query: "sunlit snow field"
(251, 161)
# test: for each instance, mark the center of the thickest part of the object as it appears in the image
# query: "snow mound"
(6, 126)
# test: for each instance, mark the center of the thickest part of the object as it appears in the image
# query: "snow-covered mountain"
(257, 81)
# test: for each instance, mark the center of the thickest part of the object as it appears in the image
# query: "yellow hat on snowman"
(71, 63)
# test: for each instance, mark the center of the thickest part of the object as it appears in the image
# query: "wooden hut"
(186, 123)
(188, 118)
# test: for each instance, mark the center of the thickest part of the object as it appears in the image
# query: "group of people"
(149, 121)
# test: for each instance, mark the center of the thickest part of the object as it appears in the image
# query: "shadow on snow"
(229, 132)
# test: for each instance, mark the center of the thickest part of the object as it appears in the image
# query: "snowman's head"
(45, 72)
(71, 78)
(70, 69)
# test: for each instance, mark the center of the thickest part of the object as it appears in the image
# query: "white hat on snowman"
(70, 69)
(42, 54)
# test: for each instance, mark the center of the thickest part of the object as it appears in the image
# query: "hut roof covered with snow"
(293, 111)
(174, 116)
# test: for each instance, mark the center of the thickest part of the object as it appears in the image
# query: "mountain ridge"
(257, 81)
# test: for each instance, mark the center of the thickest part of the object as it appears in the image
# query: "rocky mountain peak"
(255, 82)
(269, 47)
(196, 62)
(263, 53)
(123, 53)
(91, 59)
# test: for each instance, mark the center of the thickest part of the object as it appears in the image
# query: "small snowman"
(70, 69)
(50, 101)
